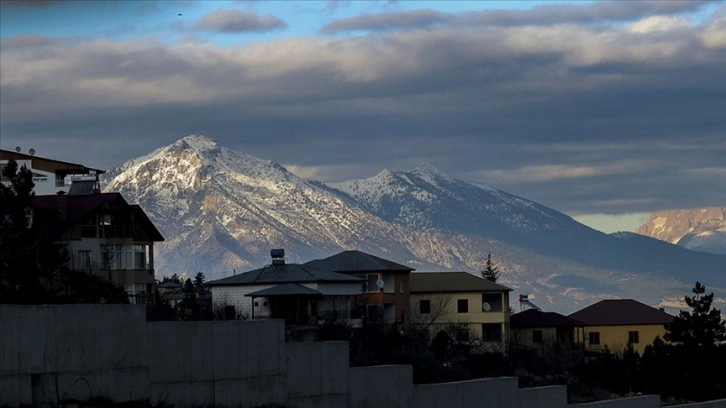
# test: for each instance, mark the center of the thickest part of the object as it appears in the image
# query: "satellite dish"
(486, 307)
(380, 284)
(31, 151)
(17, 149)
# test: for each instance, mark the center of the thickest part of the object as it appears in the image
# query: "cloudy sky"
(606, 111)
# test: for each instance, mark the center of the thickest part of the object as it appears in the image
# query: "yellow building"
(440, 300)
(617, 323)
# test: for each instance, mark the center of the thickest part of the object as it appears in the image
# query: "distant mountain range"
(702, 229)
(222, 211)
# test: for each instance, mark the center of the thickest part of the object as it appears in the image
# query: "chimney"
(278, 256)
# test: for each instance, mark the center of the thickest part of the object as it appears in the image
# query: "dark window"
(537, 336)
(257, 304)
(593, 338)
(491, 332)
(462, 306)
(424, 306)
(371, 283)
(264, 303)
(633, 337)
(494, 300)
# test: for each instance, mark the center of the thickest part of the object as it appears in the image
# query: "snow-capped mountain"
(702, 229)
(222, 210)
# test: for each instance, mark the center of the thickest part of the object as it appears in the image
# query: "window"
(462, 305)
(371, 283)
(83, 260)
(593, 338)
(424, 306)
(491, 332)
(124, 256)
(400, 287)
(633, 337)
(494, 300)
(537, 336)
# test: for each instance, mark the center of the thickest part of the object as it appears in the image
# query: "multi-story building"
(385, 289)
(103, 235)
(50, 176)
(440, 300)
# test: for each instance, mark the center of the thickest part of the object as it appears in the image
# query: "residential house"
(384, 296)
(50, 176)
(618, 323)
(441, 299)
(300, 294)
(535, 329)
(103, 234)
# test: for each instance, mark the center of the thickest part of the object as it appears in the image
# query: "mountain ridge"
(221, 211)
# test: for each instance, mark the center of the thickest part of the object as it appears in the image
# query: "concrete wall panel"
(389, 386)
(645, 401)
(708, 404)
(487, 392)
(543, 397)
(317, 374)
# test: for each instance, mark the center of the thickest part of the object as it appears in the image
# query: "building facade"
(440, 300)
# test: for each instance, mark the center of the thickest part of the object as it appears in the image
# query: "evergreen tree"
(702, 326)
(491, 271)
(199, 280)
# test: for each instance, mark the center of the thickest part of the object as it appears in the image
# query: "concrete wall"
(227, 363)
(645, 401)
(708, 404)
(543, 397)
(388, 386)
(489, 392)
(53, 353)
(317, 374)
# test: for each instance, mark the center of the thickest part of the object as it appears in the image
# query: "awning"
(286, 289)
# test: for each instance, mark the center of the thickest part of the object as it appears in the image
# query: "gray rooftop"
(285, 289)
(428, 282)
(285, 273)
(357, 261)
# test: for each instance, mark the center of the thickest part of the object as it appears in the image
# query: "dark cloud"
(544, 15)
(614, 118)
(236, 21)
(23, 41)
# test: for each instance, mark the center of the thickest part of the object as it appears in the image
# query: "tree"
(491, 271)
(18, 265)
(173, 278)
(33, 268)
(199, 280)
(702, 327)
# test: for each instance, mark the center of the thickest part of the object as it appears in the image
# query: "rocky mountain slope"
(222, 211)
(701, 229)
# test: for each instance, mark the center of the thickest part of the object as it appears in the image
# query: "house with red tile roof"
(619, 323)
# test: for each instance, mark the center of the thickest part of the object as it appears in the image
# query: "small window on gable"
(462, 305)
(593, 338)
(633, 337)
(537, 336)
(424, 306)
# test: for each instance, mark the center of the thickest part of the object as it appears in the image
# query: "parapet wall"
(49, 354)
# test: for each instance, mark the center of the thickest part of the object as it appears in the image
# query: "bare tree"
(437, 307)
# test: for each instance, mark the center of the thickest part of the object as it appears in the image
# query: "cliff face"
(701, 229)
